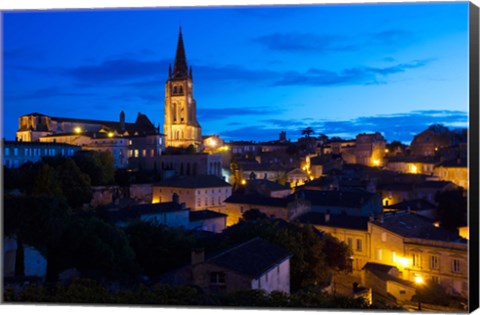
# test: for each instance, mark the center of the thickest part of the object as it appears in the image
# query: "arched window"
(174, 112)
(180, 89)
(174, 90)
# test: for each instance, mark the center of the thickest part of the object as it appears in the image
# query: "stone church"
(181, 127)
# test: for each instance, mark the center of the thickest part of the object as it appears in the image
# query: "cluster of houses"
(378, 198)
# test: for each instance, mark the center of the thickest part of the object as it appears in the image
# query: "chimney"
(327, 217)
(175, 198)
(122, 121)
(380, 218)
(197, 256)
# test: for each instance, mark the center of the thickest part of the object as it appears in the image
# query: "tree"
(159, 248)
(95, 248)
(309, 266)
(36, 221)
(99, 166)
(75, 185)
(307, 132)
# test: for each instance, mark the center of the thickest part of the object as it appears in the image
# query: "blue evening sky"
(341, 69)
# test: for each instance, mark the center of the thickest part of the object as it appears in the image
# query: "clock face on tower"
(181, 127)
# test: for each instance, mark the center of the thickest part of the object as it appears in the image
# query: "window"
(384, 236)
(199, 202)
(434, 279)
(359, 245)
(402, 292)
(416, 260)
(379, 254)
(15, 151)
(136, 153)
(217, 278)
(350, 242)
(433, 262)
(456, 265)
(7, 151)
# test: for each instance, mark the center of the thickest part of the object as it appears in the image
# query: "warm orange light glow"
(418, 279)
(376, 162)
(436, 224)
(155, 199)
(244, 182)
(77, 130)
(404, 262)
(387, 150)
(212, 142)
(413, 169)
(111, 134)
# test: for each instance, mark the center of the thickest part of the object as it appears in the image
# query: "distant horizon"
(293, 67)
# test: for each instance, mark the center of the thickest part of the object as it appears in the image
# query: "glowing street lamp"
(77, 129)
(111, 134)
(418, 282)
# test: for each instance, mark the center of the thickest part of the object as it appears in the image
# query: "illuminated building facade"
(181, 126)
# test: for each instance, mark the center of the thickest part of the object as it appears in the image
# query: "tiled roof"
(201, 181)
(338, 221)
(252, 258)
(413, 159)
(382, 271)
(267, 184)
(257, 199)
(455, 163)
(204, 215)
(416, 204)
(350, 199)
(410, 225)
(135, 211)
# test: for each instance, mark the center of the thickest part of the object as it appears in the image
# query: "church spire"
(180, 69)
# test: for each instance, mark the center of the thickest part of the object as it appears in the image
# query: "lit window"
(416, 260)
(379, 254)
(135, 153)
(359, 245)
(433, 262)
(350, 242)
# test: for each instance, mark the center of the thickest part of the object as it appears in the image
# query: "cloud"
(118, 70)
(303, 42)
(310, 42)
(210, 114)
(23, 54)
(351, 76)
(49, 92)
(401, 126)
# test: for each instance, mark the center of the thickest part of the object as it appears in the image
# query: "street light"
(418, 281)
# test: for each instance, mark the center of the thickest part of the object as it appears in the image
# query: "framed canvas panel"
(222, 156)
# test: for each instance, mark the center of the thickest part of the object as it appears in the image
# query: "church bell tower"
(181, 127)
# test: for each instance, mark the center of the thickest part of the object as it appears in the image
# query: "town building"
(16, 153)
(352, 230)
(252, 265)
(181, 126)
(430, 141)
(412, 164)
(170, 213)
(352, 203)
(287, 208)
(187, 164)
(419, 249)
(197, 192)
(123, 140)
(370, 149)
(455, 171)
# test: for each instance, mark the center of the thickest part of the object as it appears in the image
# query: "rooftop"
(416, 204)
(349, 199)
(337, 221)
(410, 225)
(257, 199)
(252, 258)
(200, 181)
(204, 215)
